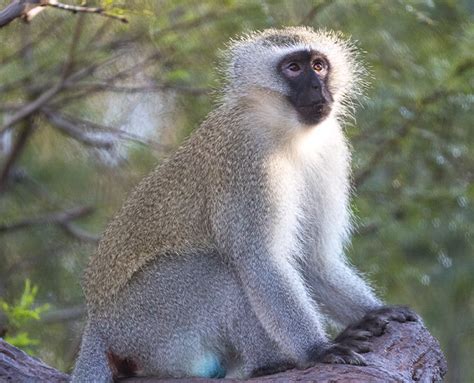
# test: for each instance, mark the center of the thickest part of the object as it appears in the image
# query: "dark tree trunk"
(406, 352)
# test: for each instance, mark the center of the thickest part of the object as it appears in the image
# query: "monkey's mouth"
(314, 113)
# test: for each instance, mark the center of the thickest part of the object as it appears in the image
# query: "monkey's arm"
(273, 287)
(342, 292)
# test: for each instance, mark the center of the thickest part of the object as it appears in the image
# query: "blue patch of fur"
(209, 367)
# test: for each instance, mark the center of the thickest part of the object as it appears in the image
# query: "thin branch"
(27, 9)
(81, 9)
(52, 28)
(44, 69)
(75, 122)
(14, 10)
(69, 63)
(40, 190)
(20, 144)
(63, 216)
(79, 233)
(71, 129)
(32, 107)
(63, 315)
(98, 87)
(70, 83)
(49, 94)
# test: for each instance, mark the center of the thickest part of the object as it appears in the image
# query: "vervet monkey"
(228, 259)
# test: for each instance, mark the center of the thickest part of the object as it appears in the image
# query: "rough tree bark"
(406, 352)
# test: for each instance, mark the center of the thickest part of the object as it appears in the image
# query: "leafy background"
(140, 88)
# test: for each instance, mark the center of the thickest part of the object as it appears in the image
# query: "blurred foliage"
(413, 143)
(19, 315)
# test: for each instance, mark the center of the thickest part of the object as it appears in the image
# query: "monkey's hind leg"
(257, 353)
(92, 366)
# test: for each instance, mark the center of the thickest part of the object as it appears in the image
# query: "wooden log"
(406, 352)
(17, 366)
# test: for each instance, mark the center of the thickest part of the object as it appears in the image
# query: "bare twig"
(107, 87)
(52, 28)
(78, 233)
(73, 131)
(75, 122)
(27, 9)
(60, 217)
(32, 107)
(71, 82)
(69, 63)
(26, 131)
(81, 9)
(49, 94)
(44, 69)
(14, 10)
(40, 190)
(63, 315)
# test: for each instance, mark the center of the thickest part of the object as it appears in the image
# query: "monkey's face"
(306, 74)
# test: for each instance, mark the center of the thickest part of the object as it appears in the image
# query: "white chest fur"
(311, 189)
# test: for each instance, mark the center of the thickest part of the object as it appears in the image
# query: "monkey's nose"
(315, 82)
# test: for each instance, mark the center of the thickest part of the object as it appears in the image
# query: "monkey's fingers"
(340, 354)
(402, 314)
(354, 333)
(395, 313)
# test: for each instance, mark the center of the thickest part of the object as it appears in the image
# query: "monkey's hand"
(376, 321)
(354, 340)
(347, 348)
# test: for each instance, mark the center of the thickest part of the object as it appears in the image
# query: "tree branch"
(81, 9)
(32, 107)
(107, 87)
(71, 129)
(63, 315)
(27, 9)
(78, 233)
(60, 217)
(406, 352)
(14, 10)
(43, 36)
(20, 144)
(71, 125)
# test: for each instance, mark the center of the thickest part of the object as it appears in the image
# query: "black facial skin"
(306, 73)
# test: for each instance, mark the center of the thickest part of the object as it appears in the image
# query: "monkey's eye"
(319, 66)
(294, 67)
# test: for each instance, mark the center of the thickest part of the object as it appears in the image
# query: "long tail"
(92, 366)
